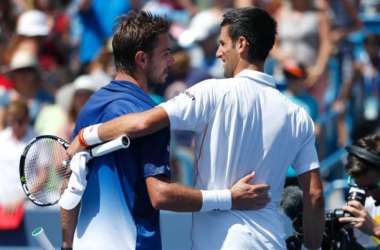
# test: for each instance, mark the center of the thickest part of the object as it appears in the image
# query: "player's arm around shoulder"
(166, 195)
(133, 125)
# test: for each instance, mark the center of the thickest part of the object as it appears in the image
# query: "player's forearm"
(134, 125)
(174, 197)
(314, 223)
(313, 208)
(69, 220)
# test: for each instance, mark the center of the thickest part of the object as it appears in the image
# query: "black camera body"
(336, 235)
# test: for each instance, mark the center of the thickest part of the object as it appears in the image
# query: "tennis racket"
(44, 166)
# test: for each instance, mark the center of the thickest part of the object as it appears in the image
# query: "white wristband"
(305, 248)
(216, 200)
(90, 135)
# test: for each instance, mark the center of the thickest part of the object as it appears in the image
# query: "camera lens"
(356, 194)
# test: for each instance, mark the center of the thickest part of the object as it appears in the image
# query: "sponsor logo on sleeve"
(189, 95)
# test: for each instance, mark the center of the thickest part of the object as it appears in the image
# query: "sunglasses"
(370, 188)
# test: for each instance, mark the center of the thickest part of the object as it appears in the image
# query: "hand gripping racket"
(44, 166)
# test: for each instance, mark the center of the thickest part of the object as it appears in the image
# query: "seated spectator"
(12, 197)
(56, 44)
(31, 30)
(24, 71)
(84, 87)
(102, 68)
(203, 32)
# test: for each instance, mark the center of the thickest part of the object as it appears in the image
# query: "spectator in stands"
(31, 30)
(303, 35)
(102, 68)
(26, 75)
(12, 197)
(295, 75)
(362, 91)
(97, 19)
(56, 44)
(204, 29)
(84, 87)
(345, 20)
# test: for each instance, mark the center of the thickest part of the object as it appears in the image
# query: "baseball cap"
(293, 69)
(32, 23)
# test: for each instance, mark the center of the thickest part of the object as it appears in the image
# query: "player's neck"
(140, 83)
(251, 66)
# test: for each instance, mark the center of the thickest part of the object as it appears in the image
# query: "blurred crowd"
(55, 54)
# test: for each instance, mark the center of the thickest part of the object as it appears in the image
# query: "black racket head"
(44, 170)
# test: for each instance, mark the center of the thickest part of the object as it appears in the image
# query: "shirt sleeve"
(307, 158)
(192, 109)
(153, 151)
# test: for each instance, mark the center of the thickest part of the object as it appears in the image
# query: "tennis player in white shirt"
(242, 124)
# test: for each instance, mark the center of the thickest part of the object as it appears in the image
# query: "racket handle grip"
(105, 148)
(40, 236)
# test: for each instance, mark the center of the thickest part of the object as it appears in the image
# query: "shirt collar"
(257, 76)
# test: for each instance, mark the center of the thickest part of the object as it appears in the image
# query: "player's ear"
(141, 59)
(242, 44)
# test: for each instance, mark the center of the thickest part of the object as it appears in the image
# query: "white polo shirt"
(243, 124)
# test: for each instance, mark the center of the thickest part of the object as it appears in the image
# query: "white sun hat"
(32, 23)
(23, 59)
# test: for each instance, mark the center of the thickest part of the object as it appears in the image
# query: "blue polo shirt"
(116, 211)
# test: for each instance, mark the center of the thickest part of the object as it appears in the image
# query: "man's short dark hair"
(356, 166)
(136, 32)
(256, 25)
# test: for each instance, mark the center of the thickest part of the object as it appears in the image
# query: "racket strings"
(45, 174)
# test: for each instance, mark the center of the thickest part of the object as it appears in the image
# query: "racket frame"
(64, 144)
